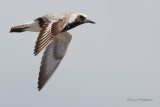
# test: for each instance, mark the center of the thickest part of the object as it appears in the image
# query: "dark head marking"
(81, 18)
(42, 21)
(78, 21)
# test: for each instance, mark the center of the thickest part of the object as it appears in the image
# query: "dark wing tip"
(41, 83)
(39, 88)
(35, 53)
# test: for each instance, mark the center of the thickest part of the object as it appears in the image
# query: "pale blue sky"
(106, 63)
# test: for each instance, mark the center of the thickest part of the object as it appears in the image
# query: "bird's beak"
(89, 21)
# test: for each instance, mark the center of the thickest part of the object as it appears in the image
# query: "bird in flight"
(54, 37)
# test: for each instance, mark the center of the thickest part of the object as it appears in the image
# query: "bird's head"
(83, 19)
(79, 18)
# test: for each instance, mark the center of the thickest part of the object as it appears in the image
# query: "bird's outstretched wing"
(52, 57)
(47, 34)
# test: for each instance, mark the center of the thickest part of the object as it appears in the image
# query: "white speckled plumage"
(56, 16)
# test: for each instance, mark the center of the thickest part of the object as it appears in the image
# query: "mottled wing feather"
(47, 33)
(57, 16)
(52, 56)
(45, 36)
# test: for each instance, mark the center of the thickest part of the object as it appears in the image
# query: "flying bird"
(54, 37)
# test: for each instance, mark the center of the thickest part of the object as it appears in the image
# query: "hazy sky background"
(116, 59)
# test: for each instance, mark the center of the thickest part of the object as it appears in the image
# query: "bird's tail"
(32, 26)
(19, 28)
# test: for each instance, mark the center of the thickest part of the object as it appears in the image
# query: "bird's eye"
(82, 18)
